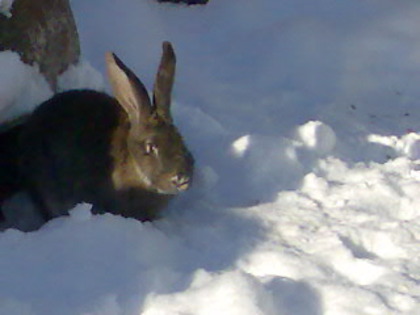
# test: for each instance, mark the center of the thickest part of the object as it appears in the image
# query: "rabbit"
(123, 155)
(9, 165)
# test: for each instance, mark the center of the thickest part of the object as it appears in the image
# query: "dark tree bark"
(188, 2)
(42, 32)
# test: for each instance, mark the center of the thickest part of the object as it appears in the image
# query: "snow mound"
(81, 76)
(407, 145)
(5, 7)
(317, 136)
(22, 87)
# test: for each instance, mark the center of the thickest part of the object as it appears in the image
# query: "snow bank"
(346, 235)
(317, 136)
(81, 76)
(22, 87)
(350, 224)
(207, 295)
(5, 7)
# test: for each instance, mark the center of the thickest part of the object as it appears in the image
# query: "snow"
(317, 136)
(22, 87)
(5, 7)
(303, 118)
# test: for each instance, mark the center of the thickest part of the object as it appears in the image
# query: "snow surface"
(304, 120)
(21, 87)
(5, 7)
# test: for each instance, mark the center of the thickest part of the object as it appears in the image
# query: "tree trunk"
(188, 2)
(42, 32)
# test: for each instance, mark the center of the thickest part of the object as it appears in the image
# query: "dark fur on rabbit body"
(9, 165)
(124, 154)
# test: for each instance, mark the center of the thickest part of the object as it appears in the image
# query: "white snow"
(81, 76)
(304, 121)
(5, 7)
(317, 136)
(21, 87)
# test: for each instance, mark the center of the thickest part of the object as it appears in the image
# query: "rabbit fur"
(9, 165)
(123, 155)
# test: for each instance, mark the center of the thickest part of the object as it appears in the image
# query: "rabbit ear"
(164, 82)
(128, 89)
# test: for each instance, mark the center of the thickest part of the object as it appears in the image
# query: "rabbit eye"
(151, 148)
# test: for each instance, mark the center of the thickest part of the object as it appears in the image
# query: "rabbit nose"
(181, 181)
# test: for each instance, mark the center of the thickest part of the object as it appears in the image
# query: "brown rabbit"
(122, 154)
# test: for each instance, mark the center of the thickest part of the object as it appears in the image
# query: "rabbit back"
(65, 148)
(9, 168)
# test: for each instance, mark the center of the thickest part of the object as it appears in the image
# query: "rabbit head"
(150, 150)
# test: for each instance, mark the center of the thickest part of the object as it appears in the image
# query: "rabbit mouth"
(184, 185)
(177, 185)
(181, 182)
